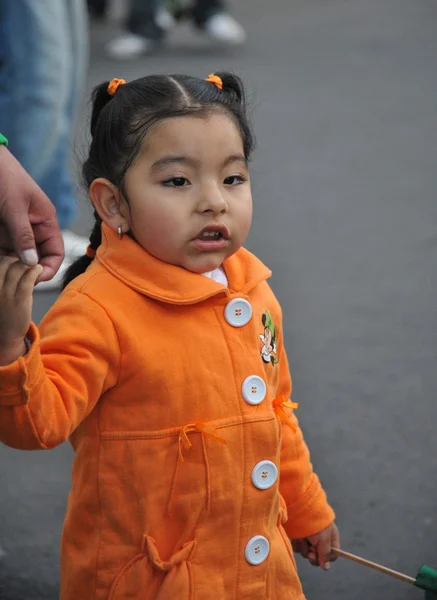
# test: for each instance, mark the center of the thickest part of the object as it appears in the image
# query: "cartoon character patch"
(268, 350)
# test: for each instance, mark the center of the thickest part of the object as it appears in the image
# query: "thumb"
(22, 238)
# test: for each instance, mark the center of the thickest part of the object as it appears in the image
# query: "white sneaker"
(55, 283)
(127, 46)
(165, 20)
(74, 245)
(221, 27)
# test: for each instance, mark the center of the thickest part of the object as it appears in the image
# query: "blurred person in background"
(97, 8)
(43, 59)
(149, 21)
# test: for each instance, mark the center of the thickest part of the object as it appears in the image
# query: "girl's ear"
(107, 201)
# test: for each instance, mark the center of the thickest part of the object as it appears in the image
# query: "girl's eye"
(176, 182)
(234, 180)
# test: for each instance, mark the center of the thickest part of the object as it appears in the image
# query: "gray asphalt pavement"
(344, 98)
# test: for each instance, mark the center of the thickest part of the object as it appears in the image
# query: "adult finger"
(21, 235)
(50, 247)
(15, 197)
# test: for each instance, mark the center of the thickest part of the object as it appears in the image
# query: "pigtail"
(232, 96)
(81, 264)
(100, 98)
(233, 87)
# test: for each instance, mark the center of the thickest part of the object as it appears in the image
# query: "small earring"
(120, 232)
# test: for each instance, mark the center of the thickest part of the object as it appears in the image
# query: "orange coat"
(173, 392)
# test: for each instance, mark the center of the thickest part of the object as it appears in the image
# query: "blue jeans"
(43, 60)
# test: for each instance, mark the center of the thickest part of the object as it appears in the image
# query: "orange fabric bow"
(202, 428)
(216, 80)
(114, 84)
(278, 405)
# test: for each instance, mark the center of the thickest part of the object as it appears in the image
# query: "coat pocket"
(147, 577)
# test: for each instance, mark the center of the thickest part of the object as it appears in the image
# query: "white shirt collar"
(217, 275)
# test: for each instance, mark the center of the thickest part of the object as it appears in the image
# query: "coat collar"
(141, 271)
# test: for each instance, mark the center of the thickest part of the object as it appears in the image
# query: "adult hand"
(28, 225)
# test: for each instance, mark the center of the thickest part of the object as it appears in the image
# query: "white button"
(253, 389)
(264, 474)
(257, 550)
(238, 312)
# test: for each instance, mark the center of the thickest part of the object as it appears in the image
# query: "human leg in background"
(57, 181)
(31, 95)
(212, 17)
(97, 8)
(150, 20)
(42, 53)
(146, 26)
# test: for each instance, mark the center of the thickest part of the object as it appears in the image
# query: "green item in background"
(426, 579)
(3, 140)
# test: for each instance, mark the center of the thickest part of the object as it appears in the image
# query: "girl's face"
(190, 201)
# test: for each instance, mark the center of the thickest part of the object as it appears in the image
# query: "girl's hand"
(16, 287)
(318, 547)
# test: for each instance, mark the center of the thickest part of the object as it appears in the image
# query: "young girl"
(190, 473)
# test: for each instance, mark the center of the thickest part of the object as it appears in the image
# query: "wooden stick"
(375, 566)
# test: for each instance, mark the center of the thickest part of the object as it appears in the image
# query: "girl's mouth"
(210, 235)
(212, 238)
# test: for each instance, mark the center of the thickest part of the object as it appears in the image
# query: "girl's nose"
(212, 200)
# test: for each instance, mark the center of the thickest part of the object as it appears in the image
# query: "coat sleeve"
(72, 361)
(307, 506)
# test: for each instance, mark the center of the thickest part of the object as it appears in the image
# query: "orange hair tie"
(114, 85)
(216, 80)
(90, 252)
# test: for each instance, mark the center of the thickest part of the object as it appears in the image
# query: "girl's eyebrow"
(166, 161)
(235, 158)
